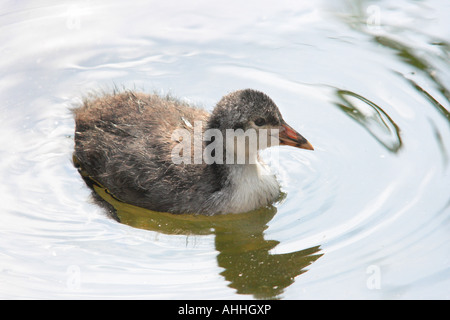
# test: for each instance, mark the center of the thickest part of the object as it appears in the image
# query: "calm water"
(366, 215)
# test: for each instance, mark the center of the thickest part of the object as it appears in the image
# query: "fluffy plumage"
(123, 141)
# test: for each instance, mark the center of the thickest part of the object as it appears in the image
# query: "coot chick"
(126, 141)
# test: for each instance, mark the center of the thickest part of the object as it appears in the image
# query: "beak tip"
(290, 137)
(308, 146)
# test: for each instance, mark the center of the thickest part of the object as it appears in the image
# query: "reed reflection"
(372, 118)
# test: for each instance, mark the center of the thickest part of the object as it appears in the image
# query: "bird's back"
(124, 141)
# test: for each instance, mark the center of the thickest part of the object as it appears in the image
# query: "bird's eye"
(260, 122)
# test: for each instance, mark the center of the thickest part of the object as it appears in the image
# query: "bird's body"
(125, 142)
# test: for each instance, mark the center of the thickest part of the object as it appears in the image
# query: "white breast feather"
(254, 186)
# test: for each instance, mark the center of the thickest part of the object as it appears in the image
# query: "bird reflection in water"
(244, 253)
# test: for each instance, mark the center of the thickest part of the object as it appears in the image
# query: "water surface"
(366, 215)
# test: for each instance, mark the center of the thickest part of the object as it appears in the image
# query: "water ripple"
(373, 196)
(373, 119)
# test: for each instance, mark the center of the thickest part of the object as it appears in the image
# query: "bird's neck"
(247, 186)
(246, 182)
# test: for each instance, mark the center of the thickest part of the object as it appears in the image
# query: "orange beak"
(289, 137)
